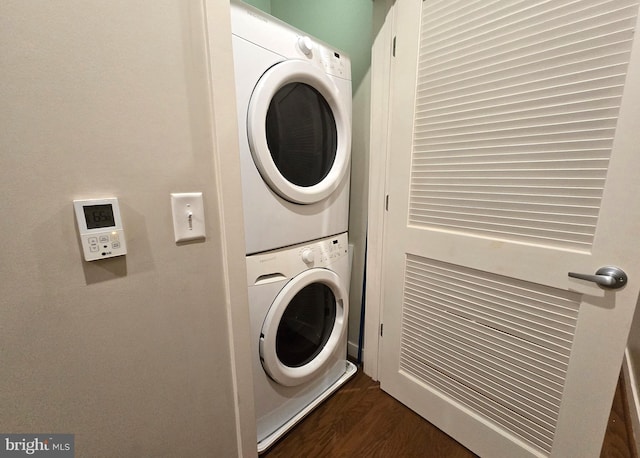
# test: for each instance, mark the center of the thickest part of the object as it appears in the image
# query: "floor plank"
(360, 420)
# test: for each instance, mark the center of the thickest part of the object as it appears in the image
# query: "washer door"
(303, 327)
(299, 131)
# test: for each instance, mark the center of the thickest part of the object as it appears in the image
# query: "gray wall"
(132, 354)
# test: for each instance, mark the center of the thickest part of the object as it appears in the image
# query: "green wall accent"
(345, 24)
(264, 5)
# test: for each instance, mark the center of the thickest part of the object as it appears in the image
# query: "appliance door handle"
(607, 277)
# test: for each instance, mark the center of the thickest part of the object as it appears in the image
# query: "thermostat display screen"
(99, 216)
(100, 228)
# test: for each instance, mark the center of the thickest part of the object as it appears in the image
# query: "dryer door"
(304, 326)
(299, 131)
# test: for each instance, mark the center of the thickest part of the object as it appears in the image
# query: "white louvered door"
(514, 159)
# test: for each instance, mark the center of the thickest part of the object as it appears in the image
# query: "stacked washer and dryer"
(294, 116)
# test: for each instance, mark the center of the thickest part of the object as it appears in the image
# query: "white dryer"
(298, 299)
(294, 118)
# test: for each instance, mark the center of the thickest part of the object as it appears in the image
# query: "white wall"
(132, 355)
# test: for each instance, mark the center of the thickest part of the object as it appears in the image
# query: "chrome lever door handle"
(607, 277)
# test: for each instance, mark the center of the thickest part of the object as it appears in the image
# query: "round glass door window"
(301, 134)
(306, 325)
(299, 131)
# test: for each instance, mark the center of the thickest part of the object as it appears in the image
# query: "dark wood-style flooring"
(360, 420)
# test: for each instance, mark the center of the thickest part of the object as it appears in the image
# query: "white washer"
(294, 118)
(298, 299)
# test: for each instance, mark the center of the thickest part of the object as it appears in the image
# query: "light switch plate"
(188, 216)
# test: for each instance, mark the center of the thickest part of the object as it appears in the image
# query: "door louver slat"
(516, 107)
(498, 346)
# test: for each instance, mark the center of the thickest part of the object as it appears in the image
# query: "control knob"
(308, 255)
(306, 45)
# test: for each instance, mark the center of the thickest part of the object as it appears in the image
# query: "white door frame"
(381, 55)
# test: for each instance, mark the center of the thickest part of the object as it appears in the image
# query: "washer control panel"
(100, 228)
(286, 263)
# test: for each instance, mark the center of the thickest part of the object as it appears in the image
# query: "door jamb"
(381, 62)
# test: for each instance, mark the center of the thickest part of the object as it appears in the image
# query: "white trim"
(352, 349)
(632, 397)
(226, 160)
(380, 86)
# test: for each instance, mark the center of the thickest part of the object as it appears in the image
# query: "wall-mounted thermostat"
(100, 228)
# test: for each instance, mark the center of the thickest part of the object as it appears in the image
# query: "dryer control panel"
(323, 252)
(258, 27)
(335, 63)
